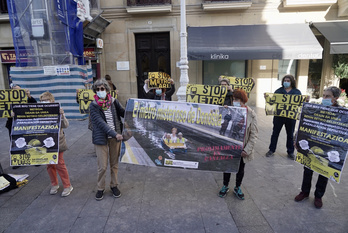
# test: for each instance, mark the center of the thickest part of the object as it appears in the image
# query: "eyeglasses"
(100, 89)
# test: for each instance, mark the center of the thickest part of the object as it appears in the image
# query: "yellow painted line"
(131, 158)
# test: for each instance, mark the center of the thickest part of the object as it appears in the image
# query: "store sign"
(9, 56)
(100, 43)
(89, 52)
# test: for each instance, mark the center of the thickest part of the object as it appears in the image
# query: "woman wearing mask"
(160, 93)
(61, 168)
(288, 87)
(239, 100)
(330, 96)
(106, 113)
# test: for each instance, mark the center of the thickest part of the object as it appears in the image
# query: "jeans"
(278, 123)
(307, 180)
(239, 175)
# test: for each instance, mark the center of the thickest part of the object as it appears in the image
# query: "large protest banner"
(322, 140)
(246, 84)
(159, 80)
(85, 97)
(183, 135)
(284, 105)
(8, 97)
(35, 134)
(205, 94)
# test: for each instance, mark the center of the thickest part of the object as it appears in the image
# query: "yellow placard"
(246, 84)
(8, 97)
(206, 94)
(159, 80)
(86, 96)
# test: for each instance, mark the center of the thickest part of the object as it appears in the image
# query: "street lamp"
(184, 79)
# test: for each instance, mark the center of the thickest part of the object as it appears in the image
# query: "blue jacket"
(101, 129)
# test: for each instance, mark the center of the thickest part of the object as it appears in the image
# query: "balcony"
(148, 6)
(216, 5)
(308, 3)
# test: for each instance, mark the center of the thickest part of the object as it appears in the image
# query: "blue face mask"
(159, 92)
(101, 94)
(326, 102)
(236, 104)
(286, 84)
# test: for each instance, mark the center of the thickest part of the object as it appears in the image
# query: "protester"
(240, 98)
(105, 113)
(227, 102)
(159, 93)
(61, 168)
(330, 96)
(288, 87)
(10, 119)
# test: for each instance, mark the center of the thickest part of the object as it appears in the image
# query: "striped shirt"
(109, 119)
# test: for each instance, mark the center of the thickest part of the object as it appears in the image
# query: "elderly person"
(330, 96)
(239, 99)
(106, 113)
(288, 87)
(61, 168)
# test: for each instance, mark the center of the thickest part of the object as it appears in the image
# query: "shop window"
(213, 69)
(287, 67)
(314, 77)
(3, 7)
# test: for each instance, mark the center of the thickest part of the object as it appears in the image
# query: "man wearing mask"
(288, 87)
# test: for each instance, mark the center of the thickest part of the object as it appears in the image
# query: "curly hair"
(240, 94)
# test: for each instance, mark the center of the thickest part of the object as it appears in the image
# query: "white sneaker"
(66, 192)
(54, 189)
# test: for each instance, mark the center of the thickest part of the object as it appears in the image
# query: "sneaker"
(54, 189)
(269, 154)
(238, 192)
(223, 192)
(115, 192)
(66, 192)
(99, 195)
(318, 203)
(301, 196)
(291, 156)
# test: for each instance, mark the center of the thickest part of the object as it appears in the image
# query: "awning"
(95, 27)
(337, 34)
(252, 42)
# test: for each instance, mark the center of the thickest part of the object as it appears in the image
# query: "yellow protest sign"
(159, 80)
(205, 94)
(8, 97)
(86, 96)
(246, 84)
(284, 105)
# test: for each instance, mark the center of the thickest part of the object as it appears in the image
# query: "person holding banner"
(61, 168)
(159, 93)
(240, 99)
(288, 87)
(330, 97)
(106, 113)
(10, 119)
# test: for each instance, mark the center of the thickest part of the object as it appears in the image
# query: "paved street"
(170, 200)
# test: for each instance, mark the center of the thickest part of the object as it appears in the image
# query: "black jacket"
(101, 129)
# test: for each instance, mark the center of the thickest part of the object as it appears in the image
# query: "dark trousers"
(239, 176)
(320, 187)
(278, 123)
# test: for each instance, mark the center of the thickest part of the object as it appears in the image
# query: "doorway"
(152, 55)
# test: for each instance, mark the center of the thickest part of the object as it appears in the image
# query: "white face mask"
(101, 94)
(45, 102)
(237, 104)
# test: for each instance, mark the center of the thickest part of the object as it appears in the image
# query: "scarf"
(104, 104)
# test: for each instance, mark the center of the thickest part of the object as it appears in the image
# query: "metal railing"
(147, 2)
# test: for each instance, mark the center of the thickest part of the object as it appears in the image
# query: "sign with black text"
(322, 140)
(8, 97)
(206, 94)
(246, 84)
(35, 134)
(85, 97)
(159, 80)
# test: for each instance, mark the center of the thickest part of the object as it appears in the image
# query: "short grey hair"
(101, 82)
(336, 92)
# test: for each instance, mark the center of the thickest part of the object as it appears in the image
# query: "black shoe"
(115, 192)
(99, 195)
(291, 156)
(269, 153)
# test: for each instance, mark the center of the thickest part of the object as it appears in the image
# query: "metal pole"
(184, 79)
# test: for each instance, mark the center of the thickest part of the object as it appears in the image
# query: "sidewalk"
(170, 200)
